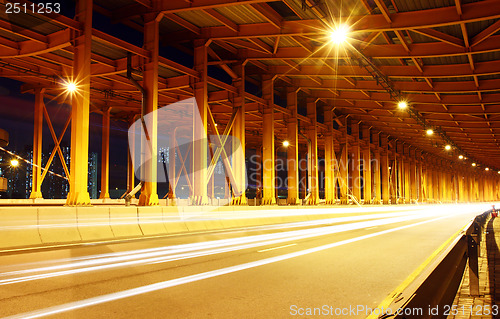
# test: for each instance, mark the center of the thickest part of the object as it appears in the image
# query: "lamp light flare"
(286, 143)
(474, 164)
(339, 34)
(430, 132)
(70, 86)
(447, 147)
(14, 163)
(460, 156)
(487, 169)
(402, 105)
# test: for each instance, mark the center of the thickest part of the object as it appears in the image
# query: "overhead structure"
(384, 99)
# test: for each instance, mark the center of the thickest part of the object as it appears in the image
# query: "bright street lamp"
(14, 163)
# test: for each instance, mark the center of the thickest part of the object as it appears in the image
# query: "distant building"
(54, 186)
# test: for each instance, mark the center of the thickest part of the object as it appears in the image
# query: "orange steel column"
(80, 107)
(344, 164)
(105, 154)
(292, 151)
(356, 160)
(258, 172)
(312, 159)
(375, 164)
(130, 162)
(406, 173)
(367, 167)
(269, 182)
(171, 166)
(36, 178)
(400, 172)
(149, 195)
(238, 158)
(413, 176)
(384, 169)
(329, 159)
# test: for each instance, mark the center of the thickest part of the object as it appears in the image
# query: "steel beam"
(80, 108)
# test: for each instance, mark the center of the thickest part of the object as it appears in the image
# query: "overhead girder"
(409, 72)
(380, 51)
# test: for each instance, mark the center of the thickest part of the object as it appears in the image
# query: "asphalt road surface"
(350, 262)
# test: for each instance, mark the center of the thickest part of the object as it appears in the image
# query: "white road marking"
(274, 248)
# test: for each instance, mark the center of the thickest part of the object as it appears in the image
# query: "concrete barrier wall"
(94, 223)
(125, 222)
(58, 225)
(45, 225)
(19, 227)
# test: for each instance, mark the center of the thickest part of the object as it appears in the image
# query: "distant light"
(498, 172)
(486, 169)
(474, 164)
(14, 163)
(460, 156)
(216, 124)
(430, 132)
(402, 105)
(339, 34)
(286, 143)
(447, 147)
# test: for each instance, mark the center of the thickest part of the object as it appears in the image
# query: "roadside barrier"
(429, 295)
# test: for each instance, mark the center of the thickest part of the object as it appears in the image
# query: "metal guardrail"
(436, 287)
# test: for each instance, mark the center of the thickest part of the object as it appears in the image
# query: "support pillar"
(80, 107)
(172, 174)
(36, 178)
(269, 197)
(376, 163)
(344, 164)
(413, 176)
(367, 167)
(238, 158)
(356, 160)
(149, 195)
(329, 159)
(312, 158)
(292, 127)
(105, 154)
(406, 174)
(384, 169)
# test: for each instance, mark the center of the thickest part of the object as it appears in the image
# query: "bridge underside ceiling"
(442, 57)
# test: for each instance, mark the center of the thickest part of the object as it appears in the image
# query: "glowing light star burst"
(70, 86)
(430, 132)
(447, 147)
(14, 163)
(402, 105)
(339, 34)
(286, 143)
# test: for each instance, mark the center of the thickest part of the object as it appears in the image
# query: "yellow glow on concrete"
(430, 132)
(14, 163)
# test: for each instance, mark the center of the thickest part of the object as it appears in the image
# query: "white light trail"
(173, 253)
(192, 278)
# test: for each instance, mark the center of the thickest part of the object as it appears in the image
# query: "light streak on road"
(186, 251)
(205, 275)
